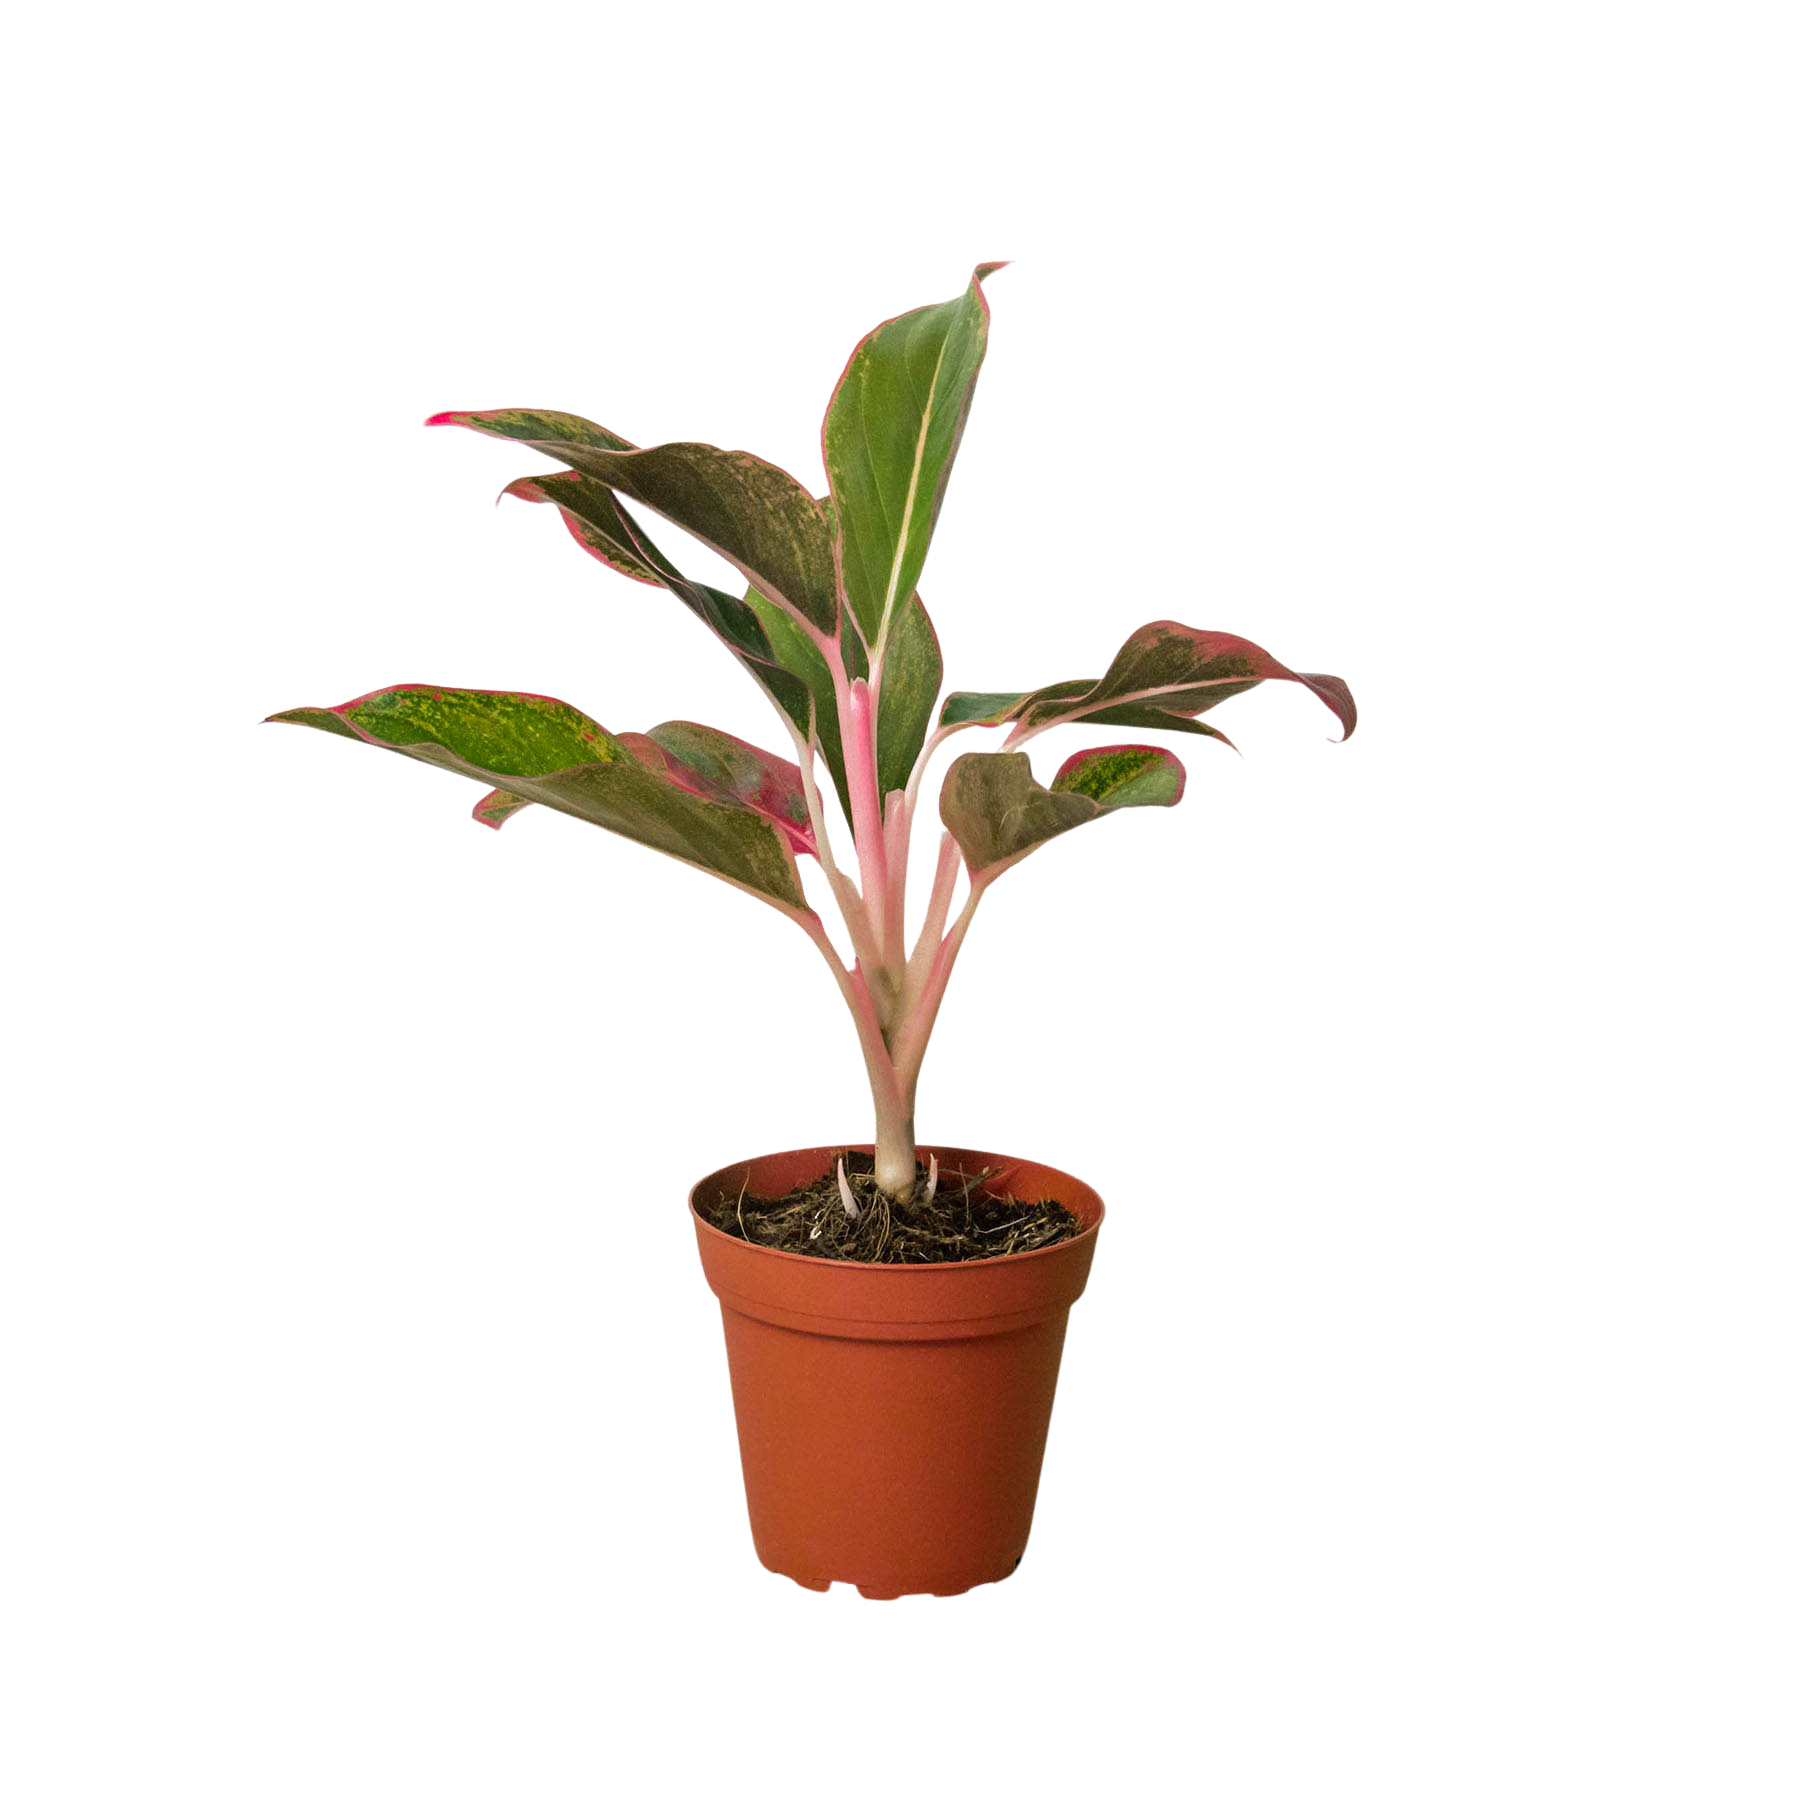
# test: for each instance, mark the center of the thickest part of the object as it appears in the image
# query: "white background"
(1428, 1427)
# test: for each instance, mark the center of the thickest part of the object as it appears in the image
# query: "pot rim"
(941, 1269)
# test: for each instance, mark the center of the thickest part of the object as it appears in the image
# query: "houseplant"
(892, 1380)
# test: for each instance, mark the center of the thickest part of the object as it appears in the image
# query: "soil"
(959, 1223)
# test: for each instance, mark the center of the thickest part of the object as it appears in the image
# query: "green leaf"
(492, 810)
(995, 809)
(537, 749)
(891, 435)
(816, 708)
(755, 515)
(606, 531)
(596, 522)
(979, 709)
(911, 674)
(1122, 775)
(1163, 675)
(722, 767)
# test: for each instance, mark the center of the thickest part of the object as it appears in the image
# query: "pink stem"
(865, 799)
(884, 1083)
(896, 832)
(915, 1034)
(937, 910)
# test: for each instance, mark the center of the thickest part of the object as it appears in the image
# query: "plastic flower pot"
(891, 1419)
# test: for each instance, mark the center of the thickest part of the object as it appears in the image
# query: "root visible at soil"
(960, 1223)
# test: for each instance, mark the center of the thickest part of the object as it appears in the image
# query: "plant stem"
(915, 1033)
(896, 1158)
(850, 904)
(884, 1084)
(937, 910)
(865, 803)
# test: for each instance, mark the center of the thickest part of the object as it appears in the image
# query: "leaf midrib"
(912, 494)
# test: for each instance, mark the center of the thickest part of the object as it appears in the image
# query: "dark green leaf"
(995, 809)
(890, 438)
(1163, 675)
(755, 515)
(911, 674)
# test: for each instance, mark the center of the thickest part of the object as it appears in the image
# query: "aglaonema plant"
(832, 629)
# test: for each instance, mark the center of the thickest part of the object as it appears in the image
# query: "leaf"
(721, 767)
(1163, 675)
(1154, 718)
(891, 433)
(755, 515)
(596, 521)
(911, 674)
(605, 530)
(995, 809)
(537, 749)
(535, 426)
(979, 709)
(1123, 775)
(796, 653)
(492, 810)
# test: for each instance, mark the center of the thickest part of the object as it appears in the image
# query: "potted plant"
(894, 1313)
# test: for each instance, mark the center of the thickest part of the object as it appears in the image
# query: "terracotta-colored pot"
(892, 1419)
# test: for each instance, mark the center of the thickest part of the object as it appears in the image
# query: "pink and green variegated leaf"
(1122, 775)
(608, 532)
(998, 813)
(493, 809)
(815, 713)
(596, 522)
(755, 515)
(543, 750)
(890, 437)
(1163, 675)
(912, 671)
(979, 709)
(962, 710)
(721, 767)
(1173, 669)
(535, 426)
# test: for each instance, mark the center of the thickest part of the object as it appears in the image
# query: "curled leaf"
(755, 515)
(998, 813)
(1164, 674)
(493, 810)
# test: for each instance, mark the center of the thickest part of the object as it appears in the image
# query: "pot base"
(942, 1588)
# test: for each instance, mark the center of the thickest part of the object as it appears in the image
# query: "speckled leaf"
(890, 438)
(722, 767)
(543, 750)
(911, 674)
(596, 522)
(996, 810)
(537, 426)
(1175, 669)
(755, 515)
(493, 809)
(816, 707)
(607, 531)
(1122, 775)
